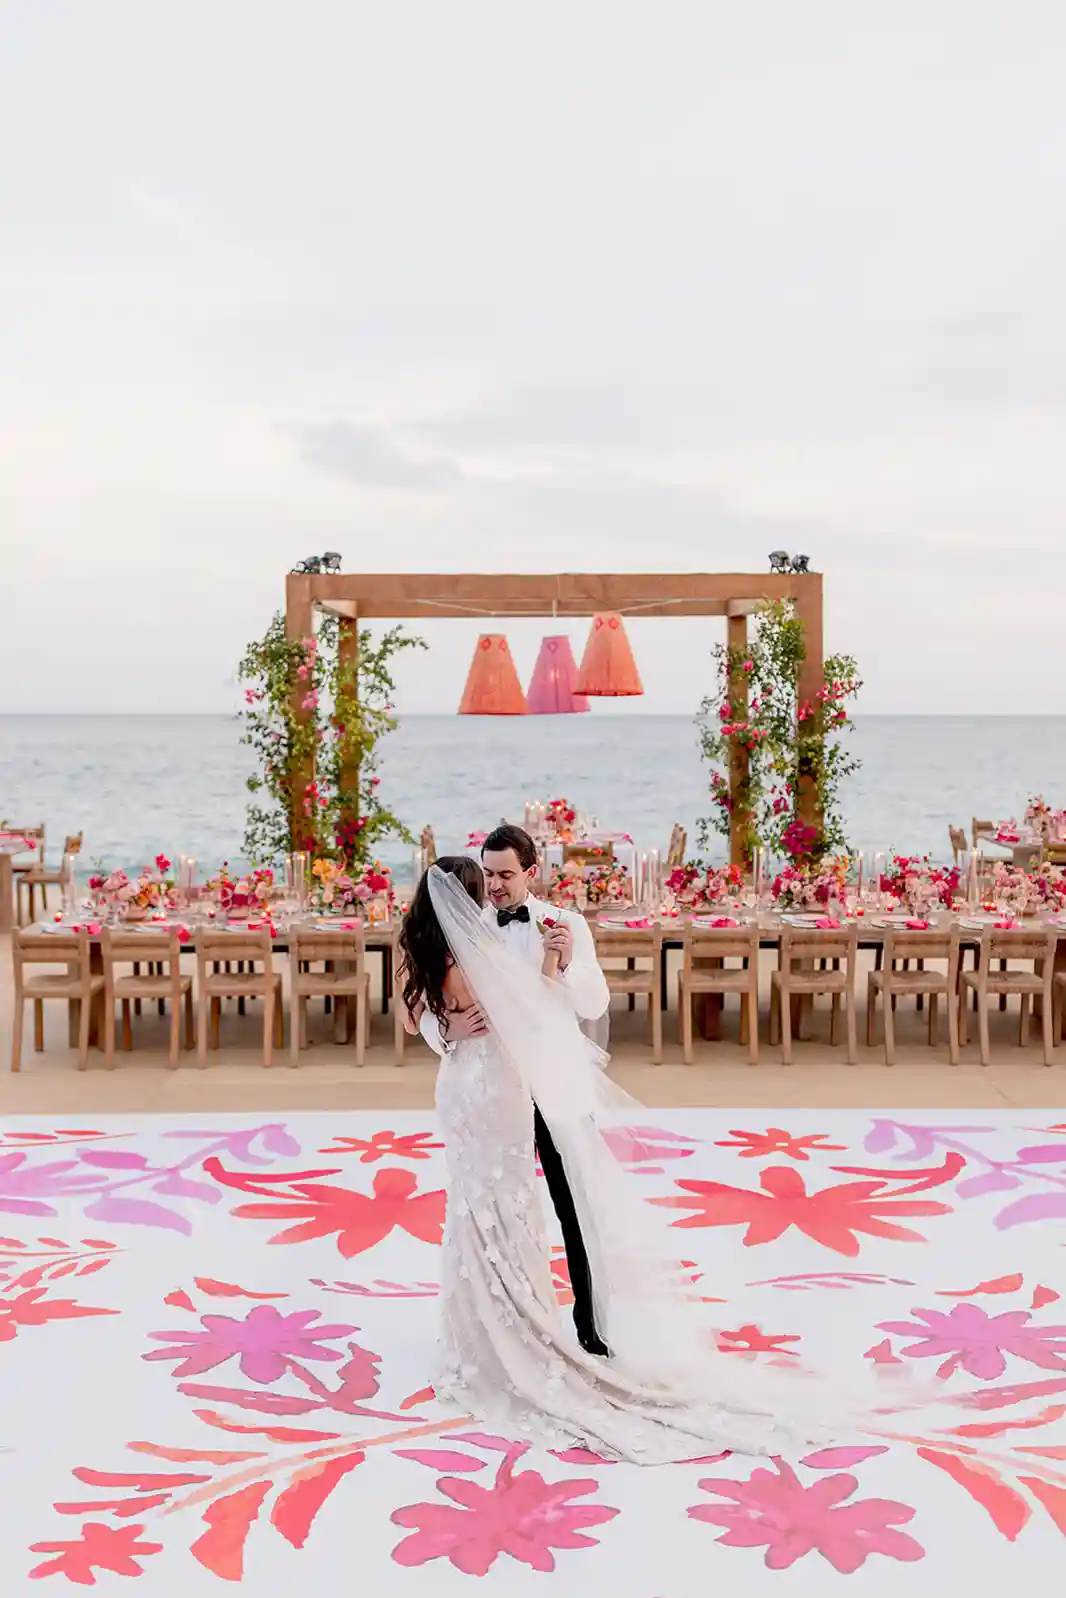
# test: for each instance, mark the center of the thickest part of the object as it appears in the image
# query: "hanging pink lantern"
(551, 688)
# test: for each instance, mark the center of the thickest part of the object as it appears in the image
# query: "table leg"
(7, 893)
(708, 1006)
(386, 977)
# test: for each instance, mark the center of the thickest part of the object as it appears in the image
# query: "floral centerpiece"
(915, 881)
(1038, 815)
(133, 899)
(561, 817)
(1024, 892)
(697, 886)
(811, 887)
(363, 889)
(240, 896)
(578, 885)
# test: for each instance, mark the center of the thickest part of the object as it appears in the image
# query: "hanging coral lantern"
(608, 670)
(492, 686)
(551, 688)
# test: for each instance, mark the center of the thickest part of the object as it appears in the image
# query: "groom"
(509, 860)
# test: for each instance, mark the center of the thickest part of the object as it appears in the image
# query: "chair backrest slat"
(721, 943)
(637, 941)
(1021, 944)
(828, 943)
(348, 947)
(214, 947)
(911, 945)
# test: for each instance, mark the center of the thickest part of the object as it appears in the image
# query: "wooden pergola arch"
(359, 597)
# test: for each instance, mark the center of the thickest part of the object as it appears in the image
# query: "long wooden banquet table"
(381, 937)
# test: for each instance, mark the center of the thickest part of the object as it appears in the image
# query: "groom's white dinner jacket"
(583, 981)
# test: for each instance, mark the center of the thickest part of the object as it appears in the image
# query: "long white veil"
(642, 1297)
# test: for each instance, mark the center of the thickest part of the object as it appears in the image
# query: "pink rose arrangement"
(698, 886)
(578, 885)
(337, 888)
(915, 882)
(812, 886)
(117, 894)
(561, 817)
(241, 896)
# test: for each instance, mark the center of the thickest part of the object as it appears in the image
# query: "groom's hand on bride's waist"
(458, 1025)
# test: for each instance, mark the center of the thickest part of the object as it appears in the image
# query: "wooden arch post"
(372, 596)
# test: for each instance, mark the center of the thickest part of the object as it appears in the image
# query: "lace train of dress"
(508, 1356)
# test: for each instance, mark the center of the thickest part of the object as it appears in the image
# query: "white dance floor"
(216, 1343)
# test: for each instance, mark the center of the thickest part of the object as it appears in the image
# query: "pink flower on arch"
(967, 1335)
(521, 1515)
(264, 1341)
(778, 1513)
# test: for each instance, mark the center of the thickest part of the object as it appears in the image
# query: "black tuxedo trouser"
(576, 1253)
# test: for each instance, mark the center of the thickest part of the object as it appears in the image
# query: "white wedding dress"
(508, 1355)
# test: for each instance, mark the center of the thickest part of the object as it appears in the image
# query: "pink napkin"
(1007, 837)
(724, 921)
(349, 926)
(644, 921)
(918, 926)
(1005, 926)
(826, 923)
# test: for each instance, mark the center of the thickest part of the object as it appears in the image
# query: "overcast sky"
(574, 286)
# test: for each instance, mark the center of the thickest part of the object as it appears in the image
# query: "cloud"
(162, 210)
(372, 457)
(993, 360)
(742, 394)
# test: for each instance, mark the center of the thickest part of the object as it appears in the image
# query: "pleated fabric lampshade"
(492, 685)
(608, 670)
(551, 688)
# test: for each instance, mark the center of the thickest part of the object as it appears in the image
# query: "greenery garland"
(787, 745)
(345, 709)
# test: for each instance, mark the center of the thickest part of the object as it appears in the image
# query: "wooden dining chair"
(896, 980)
(39, 876)
(706, 970)
(1036, 949)
(675, 854)
(959, 843)
(342, 979)
(77, 984)
(32, 860)
(163, 980)
(815, 961)
(588, 854)
(428, 845)
(635, 946)
(217, 955)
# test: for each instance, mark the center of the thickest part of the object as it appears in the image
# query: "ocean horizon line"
(451, 715)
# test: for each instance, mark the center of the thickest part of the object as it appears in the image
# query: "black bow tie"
(505, 917)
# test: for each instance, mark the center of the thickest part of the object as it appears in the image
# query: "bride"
(506, 1354)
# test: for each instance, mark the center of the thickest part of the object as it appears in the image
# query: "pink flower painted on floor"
(969, 1337)
(775, 1511)
(34, 1308)
(775, 1140)
(265, 1341)
(117, 1549)
(521, 1515)
(360, 1220)
(402, 1146)
(831, 1216)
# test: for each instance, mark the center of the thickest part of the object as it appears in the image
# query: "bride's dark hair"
(423, 946)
